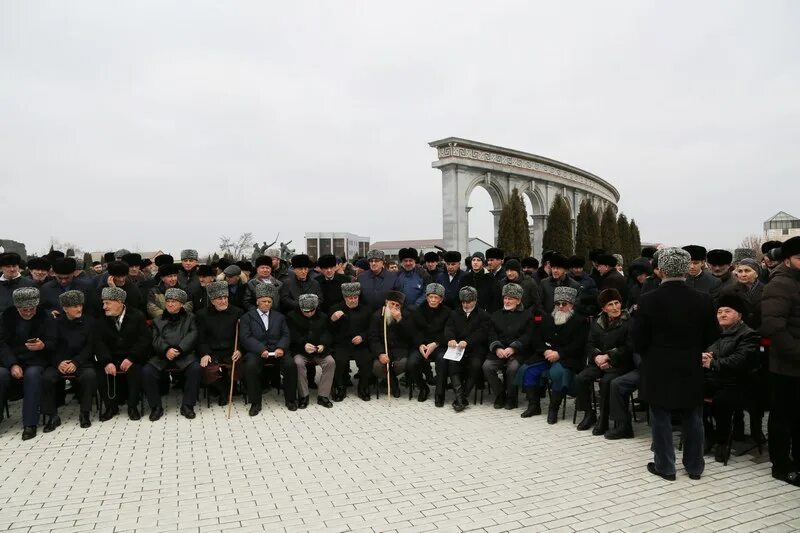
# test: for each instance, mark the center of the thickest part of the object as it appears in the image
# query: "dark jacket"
(472, 329)
(51, 290)
(531, 294)
(253, 338)
(15, 331)
(250, 292)
(216, 332)
(133, 341)
(331, 291)
(428, 324)
(613, 339)
(735, 353)
(156, 303)
(705, 282)
(178, 331)
(399, 336)
(752, 296)
(587, 299)
(292, 288)
(354, 323)
(236, 295)
(513, 329)
(548, 288)
(312, 330)
(674, 325)
(412, 283)
(74, 340)
(8, 286)
(374, 288)
(133, 298)
(568, 339)
(780, 320)
(487, 287)
(613, 279)
(451, 288)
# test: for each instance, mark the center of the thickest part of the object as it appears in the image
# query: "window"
(338, 247)
(324, 246)
(311, 248)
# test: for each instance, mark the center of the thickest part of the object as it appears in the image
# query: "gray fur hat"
(189, 254)
(113, 293)
(351, 289)
(176, 294)
(620, 260)
(512, 290)
(71, 298)
(25, 297)
(266, 289)
(435, 288)
(217, 289)
(232, 270)
(307, 302)
(273, 252)
(468, 294)
(565, 294)
(673, 262)
(376, 254)
(743, 253)
(120, 253)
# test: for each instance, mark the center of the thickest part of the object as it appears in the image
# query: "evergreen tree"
(513, 235)
(609, 240)
(636, 240)
(587, 233)
(215, 257)
(87, 261)
(558, 235)
(624, 237)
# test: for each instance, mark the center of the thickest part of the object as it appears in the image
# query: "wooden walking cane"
(233, 370)
(386, 351)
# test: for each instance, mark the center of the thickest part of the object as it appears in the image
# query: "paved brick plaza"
(378, 466)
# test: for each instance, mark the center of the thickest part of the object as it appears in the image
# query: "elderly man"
(467, 329)
(236, 285)
(450, 279)
(699, 277)
(558, 278)
(63, 281)
(674, 324)
(73, 354)
(118, 277)
(610, 276)
(298, 282)
(377, 282)
(531, 297)
(174, 347)
(27, 340)
(156, 298)
(205, 275)
(264, 337)
(216, 338)
(309, 341)
(330, 282)
(263, 275)
(10, 280)
(349, 323)
(412, 278)
(509, 343)
(428, 322)
(39, 270)
(719, 263)
(395, 334)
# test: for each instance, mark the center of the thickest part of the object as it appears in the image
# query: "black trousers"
(191, 384)
(725, 399)
(473, 367)
(363, 360)
(253, 368)
(87, 386)
(107, 385)
(418, 364)
(619, 394)
(584, 383)
(784, 424)
(35, 395)
(663, 447)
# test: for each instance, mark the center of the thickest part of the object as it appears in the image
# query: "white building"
(781, 227)
(338, 244)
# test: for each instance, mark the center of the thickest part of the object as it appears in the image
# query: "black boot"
(589, 419)
(756, 430)
(500, 400)
(534, 404)
(722, 452)
(738, 425)
(53, 422)
(555, 404)
(396, 392)
(459, 402)
(602, 424)
(624, 430)
(424, 392)
(84, 419)
(28, 432)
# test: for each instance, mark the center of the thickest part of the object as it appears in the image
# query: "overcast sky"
(163, 125)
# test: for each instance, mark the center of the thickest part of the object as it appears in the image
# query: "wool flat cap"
(117, 268)
(376, 254)
(189, 254)
(407, 253)
(326, 261)
(351, 289)
(217, 289)
(719, 257)
(512, 264)
(452, 257)
(565, 294)
(790, 247)
(132, 259)
(430, 257)
(673, 262)
(64, 266)
(558, 260)
(232, 270)
(696, 252)
(307, 302)
(264, 290)
(168, 270)
(38, 263)
(25, 297)
(735, 302)
(10, 259)
(606, 259)
(512, 290)
(175, 293)
(301, 261)
(113, 293)
(743, 253)
(434, 288)
(396, 296)
(608, 295)
(468, 294)
(495, 253)
(71, 298)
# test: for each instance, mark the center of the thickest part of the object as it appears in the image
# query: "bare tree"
(65, 246)
(236, 248)
(752, 242)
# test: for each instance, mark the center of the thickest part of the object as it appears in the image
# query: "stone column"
(455, 224)
(496, 213)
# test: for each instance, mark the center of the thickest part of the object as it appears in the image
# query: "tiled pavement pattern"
(379, 466)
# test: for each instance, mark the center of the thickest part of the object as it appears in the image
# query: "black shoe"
(109, 413)
(395, 388)
(500, 400)
(188, 411)
(339, 394)
(651, 467)
(52, 423)
(133, 413)
(28, 432)
(694, 477)
(303, 402)
(555, 405)
(534, 408)
(439, 400)
(622, 431)
(601, 427)
(589, 419)
(424, 392)
(292, 406)
(511, 403)
(552, 416)
(364, 394)
(721, 453)
(156, 413)
(324, 402)
(84, 419)
(222, 401)
(458, 404)
(255, 408)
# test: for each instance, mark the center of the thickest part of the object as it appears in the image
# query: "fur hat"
(119, 254)
(189, 254)
(750, 262)
(620, 259)
(307, 302)
(673, 262)
(407, 253)
(396, 296)
(594, 254)
(735, 302)
(576, 262)
(232, 270)
(608, 295)
(64, 266)
(266, 289)
(204, 271)
(10, 259)
(719, 257)
(273, 252)
(512, 290)
(468, 294)
(263, 260)
(351, 289)
(71, 298)
(168, 270)
(435, 288)
(512, 264)
(790, 247)
(301, 261)
(430, 257)
(743, 253)
(696, 253)
(648, 252)
(117, 268)
(565, 294)
(217, 289)
(606, 259)
(558, 260)
(163, 259)
(376, 254)
(769, 245)
(38, 263)
(530, 262)
(495, 253)
(640, 265)
(175, 293)
(132, 259)
(363, 264)
(326, 261)
(113, 293)
(25, 297)
(452, 257)
(109, 257)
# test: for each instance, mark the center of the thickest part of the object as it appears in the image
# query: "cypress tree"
(636, 240)
(558, 235)
(87, 261)
(513, 235)
(624, 237)
(609, 240)
(587, 233)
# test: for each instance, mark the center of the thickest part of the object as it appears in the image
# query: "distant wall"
(14, 246)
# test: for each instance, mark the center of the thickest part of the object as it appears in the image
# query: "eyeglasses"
(563, 304)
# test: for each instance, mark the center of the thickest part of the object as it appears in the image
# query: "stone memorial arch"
(467, 164)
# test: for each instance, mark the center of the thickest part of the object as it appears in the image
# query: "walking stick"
(386, 351)
(233, 370)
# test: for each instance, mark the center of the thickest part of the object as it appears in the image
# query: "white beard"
(509, 307)
(561, 317)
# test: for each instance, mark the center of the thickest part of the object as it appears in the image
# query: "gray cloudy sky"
(166, 124)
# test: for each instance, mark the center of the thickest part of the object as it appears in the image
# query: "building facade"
(782, 226)
(339, 244)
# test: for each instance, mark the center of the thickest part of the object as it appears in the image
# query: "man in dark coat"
(117, 277)
(39, 271)
(188, 278)
(237, 289)
(428, 322)
(674, 324)
(488, 290)
(531, 294)
(263, 275)
(377, 282)
(398, 339)
(156, 300)
(431, 261)
(780, 323)
(587, 300)
(330, 282)
(11, 279)
(719, 263)
(310, 344)
(494, 263)
(611, 278)
(174, 347)
(349, 322)
(558, 278)
(298, 282)
(450, 279)
(63, 281)
(264, 338)
(699, 278)
(199, 298)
